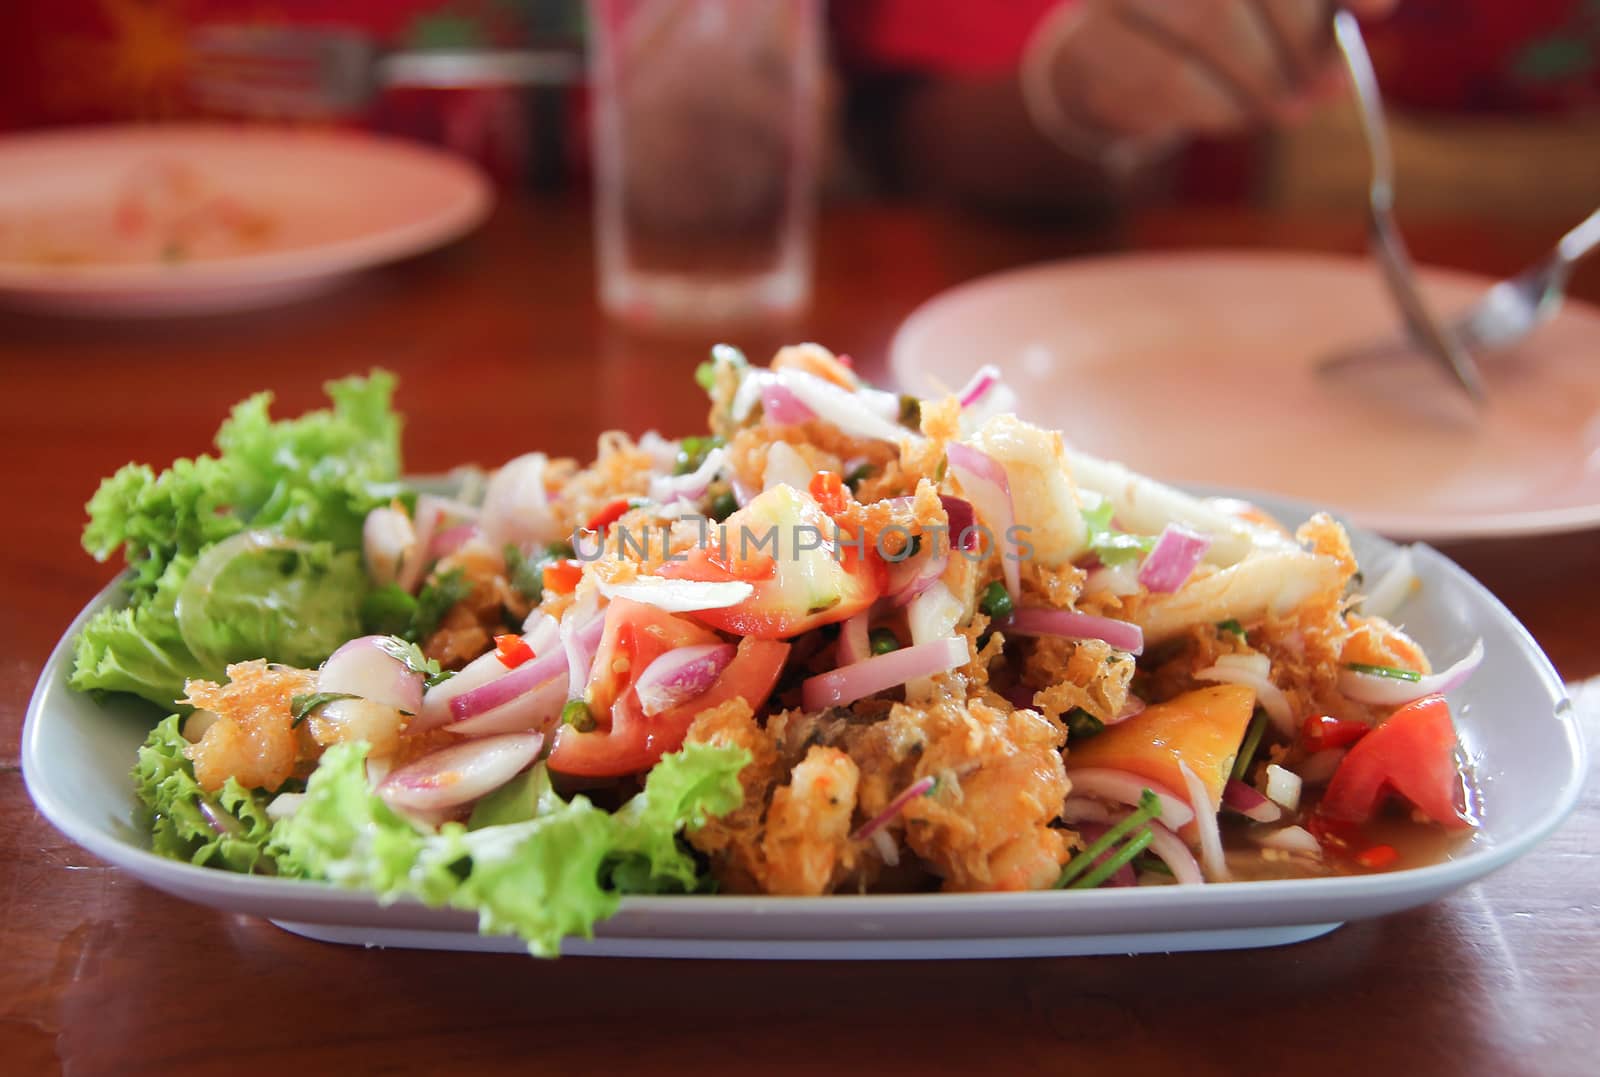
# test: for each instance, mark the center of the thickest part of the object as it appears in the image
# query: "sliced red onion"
(1249, 803)
(680, 596)
(690, 487)
(911, 792)
(1398, 583)
(1391, 692)
(1283, 787)
(1291, 839)
(842, 687)
(580, 639)
(681, 674)
(888, 852)
(855, 644)
(461, 773)
(1176, 555)
(1083, 810)
(1205, 819)
(388, 541)
(434, 514)
(436, 700)
(1171, 850)
(840, 407)
(446, 542)
(1126, 787)
(1318, 767)
(785, 467)
(780, 406)
(913, 575)
(1069, 624)
(985, 379)
(1270, 696)
(534, 711)
(984, 482)
(963, 532)
(364, 668)
(504, 689)
(516, 505)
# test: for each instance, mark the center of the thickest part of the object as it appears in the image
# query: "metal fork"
(305, 72)
(1384, 237)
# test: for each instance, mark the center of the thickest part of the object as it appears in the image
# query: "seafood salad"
(844, 641)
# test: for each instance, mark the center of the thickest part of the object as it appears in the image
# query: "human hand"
(1148, 71)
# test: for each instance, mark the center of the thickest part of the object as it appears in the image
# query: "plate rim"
(1428, 527)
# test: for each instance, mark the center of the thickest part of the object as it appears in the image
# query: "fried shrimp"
(253, 738)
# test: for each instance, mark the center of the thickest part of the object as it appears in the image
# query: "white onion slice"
(1292, 839)
(681, 674)
(1126, 787)
(541, 632)
(1393, 692)
(1171, 850)
(580, 639)
(1269, 695)
(516, 506)
(680, 596)
(781, 407)
(1174, 558)
(1116, 580)
(363, 667)
(1205, 820)
(911, 576)
(785, 467)
(388, 541)
(983, 481)
(855, 643)
(1072, 625)
(1398, 583)
(888, 852)
(461, 773)
(841, 687)
(840, 407)
(748, 395)
(690, 487)
(1283, 787)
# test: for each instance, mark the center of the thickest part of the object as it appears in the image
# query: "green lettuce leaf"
(532, 864)
(228, 830)
(312, 479)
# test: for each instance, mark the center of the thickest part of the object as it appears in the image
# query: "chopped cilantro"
(1394, 673)
(410, 655)
(302, 705)
(1081, 725)
(1112, 546)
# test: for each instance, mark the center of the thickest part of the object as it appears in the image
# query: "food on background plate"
(846, 641)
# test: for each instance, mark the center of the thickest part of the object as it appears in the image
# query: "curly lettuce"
(311, 480)
(229, 829)
(530, 863)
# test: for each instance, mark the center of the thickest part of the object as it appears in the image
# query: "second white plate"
(1201, 367)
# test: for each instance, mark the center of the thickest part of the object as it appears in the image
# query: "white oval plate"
(1514, 717)
(331, 203)
(1201, 367)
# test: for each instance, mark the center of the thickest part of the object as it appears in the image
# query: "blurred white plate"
(1513, 715)
(191, 219)
(1200, 367)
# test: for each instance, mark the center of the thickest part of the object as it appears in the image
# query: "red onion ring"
(984, 482)
(1174, 558)
(844, 686)
(1249, 803)
(1072, 625)
(681, 674)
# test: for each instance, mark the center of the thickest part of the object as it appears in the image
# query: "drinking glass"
(705, 121)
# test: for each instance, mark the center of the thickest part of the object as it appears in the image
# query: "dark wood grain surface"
(500, 349)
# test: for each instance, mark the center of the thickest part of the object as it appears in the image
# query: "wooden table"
(500, 349)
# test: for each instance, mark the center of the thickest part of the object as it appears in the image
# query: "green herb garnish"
(1247, 749)
(1112, 546)
(883, 641)
(723, 505)
(1082, 725)
(1392, 672)
(692, 452)
(302, 705)
(996, 601)
(1149, 807)
(410, 655)
(1231, 625)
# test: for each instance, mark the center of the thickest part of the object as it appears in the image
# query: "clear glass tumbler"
(706, 125)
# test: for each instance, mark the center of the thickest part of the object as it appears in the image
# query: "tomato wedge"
(635, 742)
(1412, 754)
(803, 573)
